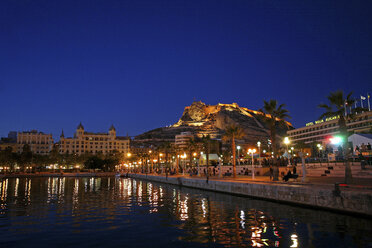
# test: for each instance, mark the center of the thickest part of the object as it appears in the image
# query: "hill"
(203, 119)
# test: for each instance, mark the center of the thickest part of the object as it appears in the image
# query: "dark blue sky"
(138, 63)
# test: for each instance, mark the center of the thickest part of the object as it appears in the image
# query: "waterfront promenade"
(316, 192)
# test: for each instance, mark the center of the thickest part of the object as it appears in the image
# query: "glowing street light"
(252, 151)
(259, 152)
(287, 142)
(238, 147)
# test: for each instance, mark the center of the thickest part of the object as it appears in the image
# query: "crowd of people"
(362, 148)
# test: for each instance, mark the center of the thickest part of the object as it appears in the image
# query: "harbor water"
(122, 212)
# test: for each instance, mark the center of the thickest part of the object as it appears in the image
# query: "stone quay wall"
(313, 196)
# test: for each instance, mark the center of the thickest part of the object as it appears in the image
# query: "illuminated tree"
(232, 133)
(206, 141)
(192, 145)
(275, 116)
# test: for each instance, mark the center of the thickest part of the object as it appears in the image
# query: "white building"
(321, 130)
(94, 143)
(182, 139)
(39, 142)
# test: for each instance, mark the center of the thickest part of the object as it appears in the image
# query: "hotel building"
(321, 130)
(94, 143)
(39, 142)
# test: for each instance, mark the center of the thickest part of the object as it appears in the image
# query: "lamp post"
(201, 155)
(252, 151)
(178, 163)
(129, 155)
(287, 142)
(220, 167)
(259, 152)
(151, 161)
(320, 148)
(182, 165)
(238, 147)
(161, 166)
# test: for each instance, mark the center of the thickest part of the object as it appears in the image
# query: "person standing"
(271, 172)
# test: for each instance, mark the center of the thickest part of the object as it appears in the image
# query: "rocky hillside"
(205, 119)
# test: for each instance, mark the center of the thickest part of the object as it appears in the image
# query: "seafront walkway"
(357, 183)
(316, 192)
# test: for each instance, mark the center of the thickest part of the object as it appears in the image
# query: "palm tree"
(166, 147)
(206, 140)
(233, 132)
(276, 115)
(192, 145)
(337, 107)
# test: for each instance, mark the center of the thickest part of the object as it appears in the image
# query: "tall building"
(94, 143)
(321, 130)
(39, 142)
(181, 140)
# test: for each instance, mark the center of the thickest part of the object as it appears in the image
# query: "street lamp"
(200, 159)
(152, 162)
(161, 166)
(252, 151)
(238, 147)
(287, 142)
(183, 165)
(259, 152)
(320, 148)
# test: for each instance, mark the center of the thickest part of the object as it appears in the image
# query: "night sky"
(138, 63)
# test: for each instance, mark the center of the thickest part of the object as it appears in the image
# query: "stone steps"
(338, 171)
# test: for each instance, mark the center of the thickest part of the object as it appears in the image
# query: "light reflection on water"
(111, 212)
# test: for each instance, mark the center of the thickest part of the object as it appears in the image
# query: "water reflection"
(95, 205)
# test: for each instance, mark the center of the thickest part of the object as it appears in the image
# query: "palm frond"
(325, 106)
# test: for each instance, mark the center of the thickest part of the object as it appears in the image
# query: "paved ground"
(357, 184)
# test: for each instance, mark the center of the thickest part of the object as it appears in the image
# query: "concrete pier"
(342, 199)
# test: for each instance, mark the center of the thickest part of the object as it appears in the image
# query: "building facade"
(93, 143)
(39, 142)
(181, 140)
(322, 130)
(9, 142)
